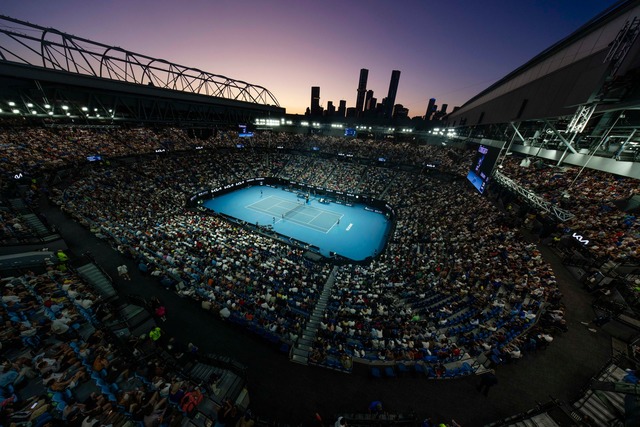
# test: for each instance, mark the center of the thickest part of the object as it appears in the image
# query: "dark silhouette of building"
(351, 112)
(400, 112)
(372, 104)
(443, 109)
(393, 91)
(368, 105)
(316, 110)
(431, 108)
(362, 90)
(342, 108)
(331, 110)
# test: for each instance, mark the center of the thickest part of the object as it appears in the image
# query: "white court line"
(300, 223)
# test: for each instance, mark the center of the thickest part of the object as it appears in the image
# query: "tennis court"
(350, 231)
(297, 212)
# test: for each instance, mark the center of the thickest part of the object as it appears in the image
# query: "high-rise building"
(315, 101)
(399, 111)
(393, 91)
(342, 108)
(373, 103)
(431, 107)
(367, 101)
(362, 90)
(443, 109)
(331, 110)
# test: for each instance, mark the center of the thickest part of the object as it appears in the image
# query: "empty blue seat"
(375, 372)
(389, 372)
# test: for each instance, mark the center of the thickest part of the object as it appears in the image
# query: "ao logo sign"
(580, 239)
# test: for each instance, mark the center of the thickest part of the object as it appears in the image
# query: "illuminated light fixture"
(15, 111)
(68, 114)
(34, 112)
(85, 109)
(50, 113)
(47, 106)
(65, 107)
(95, 109)
(12, 104)
(97, 115)
(304, 123)
(0, 110)
(110, 110)
(29, 105)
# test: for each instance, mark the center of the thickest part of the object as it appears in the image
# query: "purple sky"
(446, 49)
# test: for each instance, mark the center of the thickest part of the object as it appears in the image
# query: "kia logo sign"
(580, 239)
(18, 176)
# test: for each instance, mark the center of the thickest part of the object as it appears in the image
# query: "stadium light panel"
(30, 105)
(50, 113)
(12, 104)
(34, 112)
(65, 107)
(15, 111)
(47, 106)
(85, 109)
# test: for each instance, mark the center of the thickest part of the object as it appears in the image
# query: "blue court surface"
(350, 231)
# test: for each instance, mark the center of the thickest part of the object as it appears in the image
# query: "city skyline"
(446, 51)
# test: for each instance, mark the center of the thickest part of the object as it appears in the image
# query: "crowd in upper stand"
(60, 365)
(590, 195)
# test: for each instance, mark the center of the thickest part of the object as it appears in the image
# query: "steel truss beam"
(34, 45)
(622, 43)
(562, 138)
(532, 198)
(581, 118)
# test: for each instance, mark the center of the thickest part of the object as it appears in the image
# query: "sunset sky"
(447, 49)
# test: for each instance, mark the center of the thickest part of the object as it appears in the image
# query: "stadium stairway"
(223, 383)
(98, 280)
(602, 406)
(605, 407)
(302, 348)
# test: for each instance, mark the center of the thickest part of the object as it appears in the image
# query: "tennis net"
(290, 212)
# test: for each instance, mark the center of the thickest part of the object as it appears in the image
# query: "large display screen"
(350, 132)
(482, 166)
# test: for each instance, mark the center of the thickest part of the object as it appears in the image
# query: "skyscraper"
(342, 108)
(315, 101)
(362, 90)
(393, 91)
(367, 101)
(331, 110)
(431, 107)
